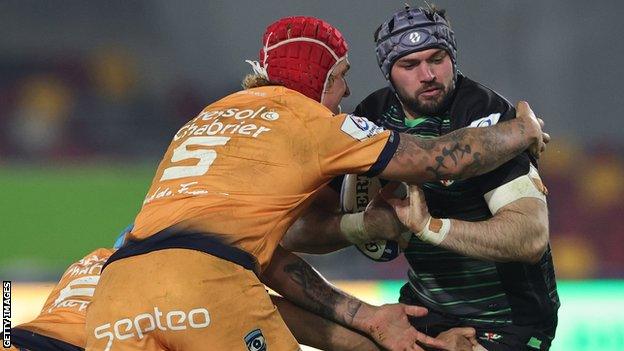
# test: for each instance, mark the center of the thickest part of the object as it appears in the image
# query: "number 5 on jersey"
(206, 157)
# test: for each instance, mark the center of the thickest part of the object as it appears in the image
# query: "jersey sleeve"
(351, 144)
(344, 143)
(371, 108)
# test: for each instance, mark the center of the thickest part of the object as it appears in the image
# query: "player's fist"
(411, 211)
(379, 217)
(382, 235)
(533, 127)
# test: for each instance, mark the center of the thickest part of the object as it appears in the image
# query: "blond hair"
(254, 80)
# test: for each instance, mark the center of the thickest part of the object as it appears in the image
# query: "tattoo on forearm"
(455, 154)
(465, 152)
(324, 299)
(352, 309)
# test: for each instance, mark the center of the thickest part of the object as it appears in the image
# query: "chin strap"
(258, 69)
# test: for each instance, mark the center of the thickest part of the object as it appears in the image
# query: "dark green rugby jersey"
(475, 291)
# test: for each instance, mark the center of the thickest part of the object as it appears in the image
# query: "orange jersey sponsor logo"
(139, 325)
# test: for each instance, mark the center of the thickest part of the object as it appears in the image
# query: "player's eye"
(437, 59)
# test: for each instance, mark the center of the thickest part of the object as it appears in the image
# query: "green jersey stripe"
(456, 274)
(492, 313)
(457, 302)
(464, 287)
(493, 321)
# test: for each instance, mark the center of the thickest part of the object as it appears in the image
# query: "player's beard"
(427, 107)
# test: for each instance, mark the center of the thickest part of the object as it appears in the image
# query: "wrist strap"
(352, 226)
(435, 231)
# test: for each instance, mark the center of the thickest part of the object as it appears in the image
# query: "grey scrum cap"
(412, 30)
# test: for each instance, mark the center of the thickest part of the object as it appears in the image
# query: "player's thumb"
(401, 209)
(467, 332)
(415, 193)
(390, 191)
(390, 187)
(523, 108)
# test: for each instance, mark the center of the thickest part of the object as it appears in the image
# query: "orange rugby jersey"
(64, 313)
(247, 166)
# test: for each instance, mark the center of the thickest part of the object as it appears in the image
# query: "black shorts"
(26, 341)
(494, 337)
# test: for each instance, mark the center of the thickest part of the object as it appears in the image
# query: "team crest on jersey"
(360, 128)
(486, 121)
(255, 341)
(489, 336)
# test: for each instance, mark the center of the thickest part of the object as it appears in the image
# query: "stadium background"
(91, 92)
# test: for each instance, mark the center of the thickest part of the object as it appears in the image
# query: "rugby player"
(237, 176)
(481, 256)
(60, 326)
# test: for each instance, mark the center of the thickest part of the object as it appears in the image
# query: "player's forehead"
(422, 55)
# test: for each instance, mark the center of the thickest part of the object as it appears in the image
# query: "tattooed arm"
(312, 330)
(388, 325)
(466, 152)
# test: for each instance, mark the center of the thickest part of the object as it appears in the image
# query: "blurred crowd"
(64, 108)
(78, 107)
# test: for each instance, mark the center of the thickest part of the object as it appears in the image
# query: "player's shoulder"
(100, 254)
(96, 257)
(264, 94)
(475, 104)
(86, 269)
(297, 103)
(270, 103)
(376, 104)
(478, 93)
(379, 96)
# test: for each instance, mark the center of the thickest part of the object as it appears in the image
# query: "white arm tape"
(435, 231)
(528, 185)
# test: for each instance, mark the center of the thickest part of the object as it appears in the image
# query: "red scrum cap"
(300, 53)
